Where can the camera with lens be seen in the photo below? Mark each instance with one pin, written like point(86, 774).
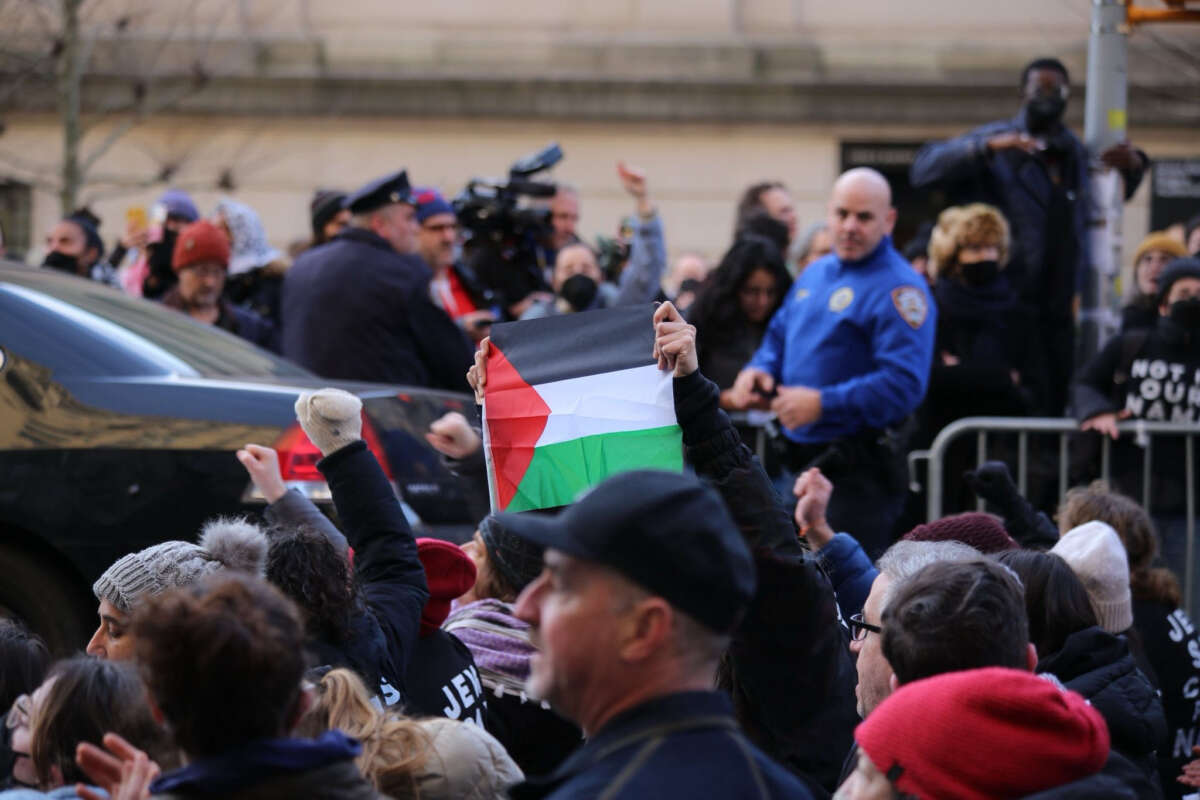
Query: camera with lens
point(504, 231)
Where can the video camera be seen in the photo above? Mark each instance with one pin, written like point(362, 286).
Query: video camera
point(504, 235)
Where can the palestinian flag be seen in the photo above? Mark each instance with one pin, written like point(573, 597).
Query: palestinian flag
point(571, 400)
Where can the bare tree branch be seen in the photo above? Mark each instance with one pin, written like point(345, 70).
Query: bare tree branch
point(147, 108)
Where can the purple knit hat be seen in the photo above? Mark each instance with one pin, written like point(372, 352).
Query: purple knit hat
point(979, 530)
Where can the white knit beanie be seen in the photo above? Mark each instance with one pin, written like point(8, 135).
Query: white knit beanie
point(224, 543)
point(1098, 558)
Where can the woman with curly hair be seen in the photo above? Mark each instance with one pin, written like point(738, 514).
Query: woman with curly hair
point(985, 361)
point(735, 304)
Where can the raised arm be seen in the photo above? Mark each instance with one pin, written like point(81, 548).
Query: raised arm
point(385, 552)
point(639, 282)
point(788, 669)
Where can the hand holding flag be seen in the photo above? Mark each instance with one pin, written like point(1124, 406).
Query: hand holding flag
point(571, 400)
point(674, 341)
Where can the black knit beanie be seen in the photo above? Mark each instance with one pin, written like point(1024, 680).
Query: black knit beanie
point(517, 561)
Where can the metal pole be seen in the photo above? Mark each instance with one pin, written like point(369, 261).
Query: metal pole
point(1104, 126)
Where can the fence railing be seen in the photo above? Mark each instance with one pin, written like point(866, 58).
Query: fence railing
point(1144, 434)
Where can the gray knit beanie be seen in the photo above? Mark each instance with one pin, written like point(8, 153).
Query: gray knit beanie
point(224, 544)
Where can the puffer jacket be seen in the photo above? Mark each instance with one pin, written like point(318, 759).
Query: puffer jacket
point(1099, 666)
point(465, 763)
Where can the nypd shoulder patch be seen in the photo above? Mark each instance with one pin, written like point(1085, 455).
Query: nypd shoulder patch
point(911, 304)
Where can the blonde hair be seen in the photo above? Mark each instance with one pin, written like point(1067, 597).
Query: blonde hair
point(395, 749)
point(977, 224)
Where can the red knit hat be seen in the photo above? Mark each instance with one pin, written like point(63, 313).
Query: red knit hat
point(200, 242)
point(975, 528)
point(983, 734)
point(449, 572)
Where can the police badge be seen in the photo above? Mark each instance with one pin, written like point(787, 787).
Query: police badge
point(911, 304)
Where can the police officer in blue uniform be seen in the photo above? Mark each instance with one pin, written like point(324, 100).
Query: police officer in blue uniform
point(846, 360)
point(358, 306)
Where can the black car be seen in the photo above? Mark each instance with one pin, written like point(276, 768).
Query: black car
point(119, 420)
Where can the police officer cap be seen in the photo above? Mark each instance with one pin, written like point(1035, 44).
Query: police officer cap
point(381, 192)
point(666, 532)
point(1188, 267)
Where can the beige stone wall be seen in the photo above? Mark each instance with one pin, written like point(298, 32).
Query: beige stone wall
point(695, 170)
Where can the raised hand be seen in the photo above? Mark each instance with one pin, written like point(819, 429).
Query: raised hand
point(453, 436)
point(263, 465)
point(477, 374)
point(674, 341)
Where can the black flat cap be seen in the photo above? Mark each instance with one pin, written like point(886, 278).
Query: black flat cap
point(380, 192)
point(666, 532)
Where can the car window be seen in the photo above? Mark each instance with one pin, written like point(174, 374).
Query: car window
point(147, 338)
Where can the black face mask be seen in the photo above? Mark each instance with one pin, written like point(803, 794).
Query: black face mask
point(1043, 112)
point(579, 291)
point(161, 253)
point(1186, 313)
point(690, 285)
point(62, 262)
point(980, 273)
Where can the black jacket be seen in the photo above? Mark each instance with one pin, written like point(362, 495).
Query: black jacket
point(355, 309)
point(1099, 666)
point(1172, 646)
point(390, 577)
point(681, 745)
point(241, 322)
point(1050, 252)
point(787, 669)
point(992, 336)
point(1154, 373)
point(442, 680)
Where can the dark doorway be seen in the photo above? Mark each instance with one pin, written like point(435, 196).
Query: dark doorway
point(914, 207)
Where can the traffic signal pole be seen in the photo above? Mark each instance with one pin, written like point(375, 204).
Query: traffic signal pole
point(1104, 126)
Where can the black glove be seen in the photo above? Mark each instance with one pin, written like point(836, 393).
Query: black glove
point(993, 482)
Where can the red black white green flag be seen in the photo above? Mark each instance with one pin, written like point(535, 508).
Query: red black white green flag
point(571, 400)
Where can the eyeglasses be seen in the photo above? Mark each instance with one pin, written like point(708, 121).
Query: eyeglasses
point(859, 628)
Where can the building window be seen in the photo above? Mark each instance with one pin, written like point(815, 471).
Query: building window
point(16, 217)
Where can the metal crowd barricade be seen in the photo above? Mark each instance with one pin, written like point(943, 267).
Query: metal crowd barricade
point(1023, 427)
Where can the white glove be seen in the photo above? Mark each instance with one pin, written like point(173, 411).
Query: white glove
point(331, 418)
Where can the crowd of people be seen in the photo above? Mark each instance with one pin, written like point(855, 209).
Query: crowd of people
point(667, 634)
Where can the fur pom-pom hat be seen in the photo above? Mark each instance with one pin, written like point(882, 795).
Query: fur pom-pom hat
point(225, 543)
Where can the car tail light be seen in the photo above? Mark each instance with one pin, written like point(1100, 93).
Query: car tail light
point(298, 458)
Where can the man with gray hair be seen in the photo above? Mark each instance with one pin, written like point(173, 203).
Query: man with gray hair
point(358, 306)
point(902, 560)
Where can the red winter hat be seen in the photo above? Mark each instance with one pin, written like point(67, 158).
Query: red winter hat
point(449, 572)
point(982, 734)
point(199, 242)
point(975, 528)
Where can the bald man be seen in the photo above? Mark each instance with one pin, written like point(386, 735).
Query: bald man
point(846, 360)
